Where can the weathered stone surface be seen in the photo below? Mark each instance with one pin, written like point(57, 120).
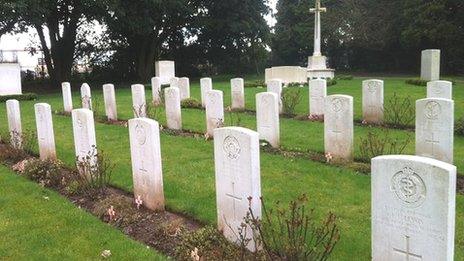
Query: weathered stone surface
point(338, 127)
point(174, 82)
point(238, 185)
point(85, 143)
point(206, 85)
point(238, 93)
point(156, 90)
point(147, 171)
point(10, 79)
point(165, 70)
point(287, 74)
point(67, 97)
point(173, 110)
point(372, 101)
point(413, 208)
point(267, 117)
point(440, 89)
point(139, 102)
point(14, 123)
point(86, 96)
point(275, 86)
point(435, 129)
point(45, 133)
point(214, 111)
point(109, 96)
point(317, 94)
point(184, 87)
point(430, 65)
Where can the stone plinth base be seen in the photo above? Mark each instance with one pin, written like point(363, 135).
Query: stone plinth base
point(321, 74)
point(288, 74)
point(317, 68)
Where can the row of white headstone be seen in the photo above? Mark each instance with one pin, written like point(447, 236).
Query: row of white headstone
point(413, 198)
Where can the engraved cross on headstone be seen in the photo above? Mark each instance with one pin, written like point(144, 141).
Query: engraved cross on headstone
point(234, 198)
point(409, 256)
point(433, 141)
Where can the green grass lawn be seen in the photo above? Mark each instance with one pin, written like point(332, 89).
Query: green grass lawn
point(189, 167)
point(38, 224)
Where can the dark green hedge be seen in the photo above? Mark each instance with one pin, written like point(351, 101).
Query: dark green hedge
point(19, 97)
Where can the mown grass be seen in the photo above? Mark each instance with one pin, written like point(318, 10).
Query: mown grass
point(38, 224)
point(189, 169)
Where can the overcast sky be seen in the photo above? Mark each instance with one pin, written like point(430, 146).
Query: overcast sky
point(21, 41)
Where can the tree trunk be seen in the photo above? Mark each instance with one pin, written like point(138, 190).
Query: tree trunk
point(145, 52)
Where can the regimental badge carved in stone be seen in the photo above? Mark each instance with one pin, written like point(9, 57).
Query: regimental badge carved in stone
point(140, 134)
point(409, 187)
point(337, 105)
point(231, 147)
point(437, 90)
point(372, 86)
point(432, 110)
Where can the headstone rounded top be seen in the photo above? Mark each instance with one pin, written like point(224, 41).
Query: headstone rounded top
point(85, 85)
point(42, 104)
point(238, 130)
point(108, 85)
point(137, 86)
point(423, 160)
point(65, 84)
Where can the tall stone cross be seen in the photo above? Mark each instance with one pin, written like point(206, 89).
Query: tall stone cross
point(317, 26)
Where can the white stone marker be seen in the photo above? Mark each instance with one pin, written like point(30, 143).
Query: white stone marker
point(430, 65)
point(139, 102)
point(267, 117)
point(165, 70)
point(10, 78)
point(413, 208)
point(67, 97)
point(86, 96)
point(14, 123)
point(206, 85)
point(109, 97)
point(238, 93)
point(85, 143)
point(237, 168)
point(156, 90)
point(440, 89)
point(435, 129)
point(174, 82)
point(214, 111)
point(372, 101)
point(184, 87)
point(147, 172)
point(338, 127)
point(317, 94)
point(45, 133)
point(173, 110)
point(275, 86)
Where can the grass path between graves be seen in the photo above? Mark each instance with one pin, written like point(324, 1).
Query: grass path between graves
point(189, 174)
point(38, 224)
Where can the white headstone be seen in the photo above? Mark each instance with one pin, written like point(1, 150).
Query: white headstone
point(14, 123)
point(413, 208)
point(139, 102)
point(430, 65)
point(237, 167)
point(173, 110)
point(214, 111)
point(440, 89)
point(165, 70)
point(86, 96)
point(317, 94)
point(372, 101)
point(238, 93)
point(156, 90)
point(338, 127)
point(85, 143)
point(45, 133)
point(206, 85)
point(174, 82)
point(275, 86)
point(10, 79)
point(67, 97)
point(184, 87)
point(267, 117)
point(147, 172)
point(435, 129)
point(109, 97)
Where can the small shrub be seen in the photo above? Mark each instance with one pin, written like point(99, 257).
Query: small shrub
point(95, 171)
point(46, 173)
point(345, 77)
point(399, 113)
point(29, 142)
point(19, 97)
point(255, 84)
point(153, 111)
point(140, 111)
point(98, 107)
point(26, 144)
point(417, 82)
point(297, 84)
point(234, 117)
point(191, 103)
point(459, 126)
point(291, 97)
point(376, 144)
point(331, 82)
